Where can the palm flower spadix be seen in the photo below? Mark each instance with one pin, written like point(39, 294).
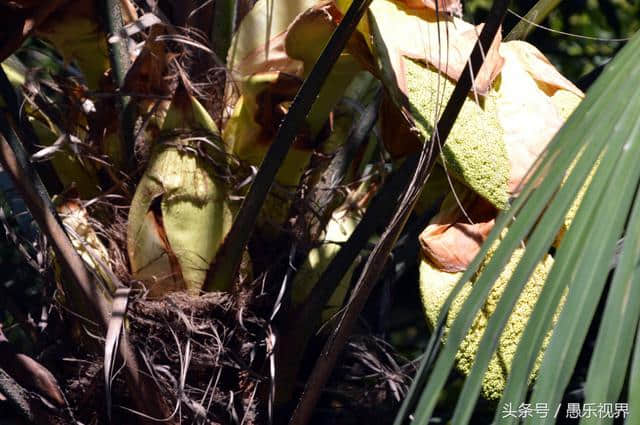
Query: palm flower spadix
point(435, 286)
point(497, 137)
point(179, 215)
point(448, 244)
point(503, 127)
point(474, 152)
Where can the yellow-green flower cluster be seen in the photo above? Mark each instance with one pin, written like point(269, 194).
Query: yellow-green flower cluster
point(475, 152)
point(435, 286)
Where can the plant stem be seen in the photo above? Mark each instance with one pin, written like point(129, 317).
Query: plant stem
point(120, 64)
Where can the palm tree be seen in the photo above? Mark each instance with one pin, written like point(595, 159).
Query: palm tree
point(215, 177)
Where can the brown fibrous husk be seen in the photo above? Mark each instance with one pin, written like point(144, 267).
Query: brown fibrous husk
point(213, 342)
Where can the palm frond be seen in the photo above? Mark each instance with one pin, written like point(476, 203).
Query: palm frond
point(582, 260)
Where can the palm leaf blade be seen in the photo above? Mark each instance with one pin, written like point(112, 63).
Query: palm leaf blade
point(540, 320)
point(603, 228)
point(609, 363)
point(537, 246)
point(634, 387)
point(604, 100)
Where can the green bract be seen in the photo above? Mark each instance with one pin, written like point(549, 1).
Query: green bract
point(305, 40)
point(179, 215)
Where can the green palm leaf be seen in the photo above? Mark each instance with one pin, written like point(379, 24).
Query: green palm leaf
point(634, 387)
point(575, 244)
point(613, 348)
point(583, 258)
point(601, 227)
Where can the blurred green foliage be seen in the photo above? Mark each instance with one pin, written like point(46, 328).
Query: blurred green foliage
point(574, 56)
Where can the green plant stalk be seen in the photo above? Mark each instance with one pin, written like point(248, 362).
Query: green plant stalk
point(120, 64)
point(223, 25)
point(535, 15)
point(118, 52)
